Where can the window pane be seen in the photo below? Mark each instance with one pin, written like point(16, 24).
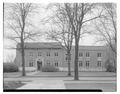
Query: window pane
point(56, 64)
point(98, 54)
point(48, 53)
point(87, 63)
point(30, 64)
point(56, 53)
point(80, 54)
point(87, 54)
point(99, 63)
point(80, 63)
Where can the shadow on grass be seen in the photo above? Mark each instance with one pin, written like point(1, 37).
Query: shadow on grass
point(12, 85)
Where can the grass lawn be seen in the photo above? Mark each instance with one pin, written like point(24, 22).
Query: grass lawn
point(12, 74)
point(105, 87)
point(12, 84)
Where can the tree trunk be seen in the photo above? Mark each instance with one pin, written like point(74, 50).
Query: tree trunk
point(23, 58)
point(115, 64)
point(76, 76)
point(69, 66)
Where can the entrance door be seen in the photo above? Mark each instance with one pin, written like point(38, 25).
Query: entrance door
point(39, 65)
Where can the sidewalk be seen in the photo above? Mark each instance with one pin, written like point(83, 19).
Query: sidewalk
point(43, 84)
point(38, 84)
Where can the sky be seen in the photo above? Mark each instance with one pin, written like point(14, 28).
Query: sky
point(89, 40)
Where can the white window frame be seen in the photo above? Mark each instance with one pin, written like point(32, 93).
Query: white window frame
point(48, 53)
point(56, 53)
point(80, 54)
point(56, 64)
point(31, 63)
point(87, 64)
point(99, 63)
point(87, 54)
point(80, 63)
point(99, 54)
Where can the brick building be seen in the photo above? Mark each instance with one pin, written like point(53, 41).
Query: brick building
point(91, 58)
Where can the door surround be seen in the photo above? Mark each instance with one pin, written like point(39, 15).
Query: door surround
point(40, 59)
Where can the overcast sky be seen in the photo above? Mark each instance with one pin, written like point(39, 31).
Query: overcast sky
point(36, 20)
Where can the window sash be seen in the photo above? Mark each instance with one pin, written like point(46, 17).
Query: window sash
point(99, 63)
point(56, 53)
point(56, 64)
point(80, 54)
point(98, 54)
point(80, 64)
point(30, 64)
point(87, 63)
point(48, 53)
point(87, 54)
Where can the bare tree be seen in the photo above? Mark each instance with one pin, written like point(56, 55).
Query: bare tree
point(10, 58)
point(106, 27)
point(20, 25)
point(61, 31)
point(76, 13)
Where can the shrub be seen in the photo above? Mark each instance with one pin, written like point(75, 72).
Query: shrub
point(110, 67)
point(49, 68)
point(10, 67)
point(28, 69)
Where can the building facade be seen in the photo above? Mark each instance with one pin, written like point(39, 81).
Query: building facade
point(37, 55)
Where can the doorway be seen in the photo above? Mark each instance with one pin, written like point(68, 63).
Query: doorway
point(39, 65)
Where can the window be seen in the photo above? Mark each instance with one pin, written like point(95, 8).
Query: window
point(39, 53)
point(48, 53)
point(31, 53)
point(80, 54)
point(87, 63)
point(98, 54)
point(31, 64)
point(80, 63)
point(99, 63)
point(56, 53)
point(67, 58)
point(48, 62)
point(56, 64)
point(87, 54)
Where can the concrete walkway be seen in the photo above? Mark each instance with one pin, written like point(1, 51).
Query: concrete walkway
point(43, 84)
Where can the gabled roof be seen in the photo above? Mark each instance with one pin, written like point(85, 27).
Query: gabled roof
point(92, 47)
point(41, 45)
point(45, 45)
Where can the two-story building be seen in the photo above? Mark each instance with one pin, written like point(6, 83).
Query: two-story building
point(91, 58)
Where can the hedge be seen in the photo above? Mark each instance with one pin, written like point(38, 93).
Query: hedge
point(109, 66)
point(49, 68)
point(10, 67)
